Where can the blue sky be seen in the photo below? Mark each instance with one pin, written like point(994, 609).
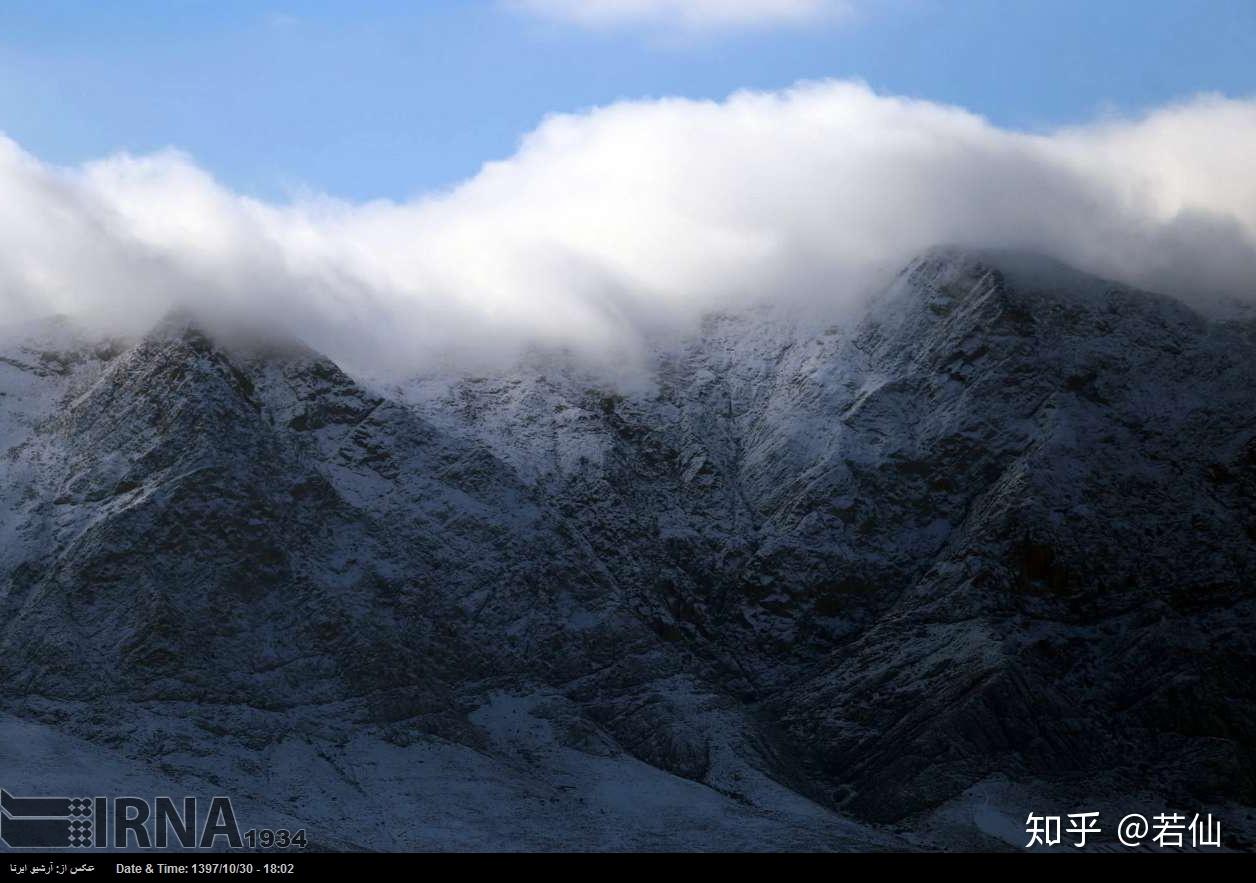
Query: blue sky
point(389, 99)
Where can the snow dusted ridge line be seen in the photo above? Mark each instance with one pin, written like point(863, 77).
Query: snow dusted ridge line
point(885, 585)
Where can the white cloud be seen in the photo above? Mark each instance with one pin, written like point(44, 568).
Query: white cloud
point(637, 215)
point(690, 15)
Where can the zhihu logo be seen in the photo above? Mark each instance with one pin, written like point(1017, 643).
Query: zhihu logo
point(82, 823)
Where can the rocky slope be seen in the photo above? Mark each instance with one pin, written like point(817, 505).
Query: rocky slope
point(996, 537)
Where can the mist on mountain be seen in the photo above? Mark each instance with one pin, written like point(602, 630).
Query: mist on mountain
point(611, 226)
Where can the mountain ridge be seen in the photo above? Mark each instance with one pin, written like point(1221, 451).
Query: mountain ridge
point(866, 568)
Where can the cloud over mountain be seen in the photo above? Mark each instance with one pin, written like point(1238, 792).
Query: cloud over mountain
point(637, 215)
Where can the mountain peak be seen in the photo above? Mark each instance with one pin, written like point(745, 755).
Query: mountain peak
point(985, 285)
point(234, 337)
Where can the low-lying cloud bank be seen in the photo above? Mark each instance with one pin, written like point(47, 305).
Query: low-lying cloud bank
point(638, 216)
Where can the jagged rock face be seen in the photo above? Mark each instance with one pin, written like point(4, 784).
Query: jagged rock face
point(255, 528)
point(1089, 608)
point(1005, 525)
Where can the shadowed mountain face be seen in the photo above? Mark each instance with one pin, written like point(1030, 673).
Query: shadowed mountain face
point(996, 538)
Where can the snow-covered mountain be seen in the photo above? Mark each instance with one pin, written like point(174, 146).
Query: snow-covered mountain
point(894, 583)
